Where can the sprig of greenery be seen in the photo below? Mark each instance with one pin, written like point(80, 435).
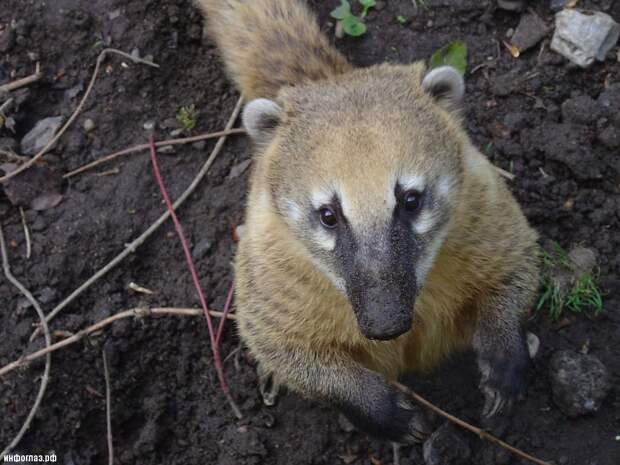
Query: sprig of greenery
point(583, 295)
point(453, 54)
point(352, 25)
point(187, 117)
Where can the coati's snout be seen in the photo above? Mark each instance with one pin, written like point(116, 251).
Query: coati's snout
point(382, 292)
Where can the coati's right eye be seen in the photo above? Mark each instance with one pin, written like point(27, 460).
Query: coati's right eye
point(328, 217)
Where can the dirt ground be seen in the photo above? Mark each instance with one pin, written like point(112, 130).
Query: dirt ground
point(167, 405)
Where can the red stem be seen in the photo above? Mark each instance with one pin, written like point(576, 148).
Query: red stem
point(225, 312)
point(190, 263)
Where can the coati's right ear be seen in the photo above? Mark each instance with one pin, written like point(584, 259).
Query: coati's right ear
point(446, 85)
point(260, 117)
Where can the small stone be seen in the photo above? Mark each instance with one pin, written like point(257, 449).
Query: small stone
point(114, 14)
point(135, 53)
point(201, 249)
point(533, 344)
point(200, 144)
point(47, 295)
point(579, 382)
point(583, 260)
point(609, 99)
point(610, 137)
point(176, 132)
point(557, 5)
point(7, 40)
point(239, 169)
point(149, 126)
point(582, 109)
point(584, 37)
point(529, 32)
point(89, 125)
point(345, 424)
point(511, 5)
point(40, 135)
point(509, 33)
point(447, 446)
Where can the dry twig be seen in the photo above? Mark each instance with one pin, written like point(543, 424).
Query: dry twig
point(474, 429)
point(129, 248)
point(134, 312)
point(108, 408)
point(48, 342)
point(26, 233)
point(215, 338)
point(22, 82)
point(163, 143)
point(77, 111)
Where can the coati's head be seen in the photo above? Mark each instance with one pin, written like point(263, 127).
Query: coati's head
point(365, 171)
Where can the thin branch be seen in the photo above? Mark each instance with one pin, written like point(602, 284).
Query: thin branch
point(131, 313)
point(217, 359)
point(77, 111)
point(163, 143)
point(21, 82)
point(504, 173)
point(48, 342)
point(146, 234)
point(108, 408)
point(474, 429)
point(227, 306)
point(26, 233)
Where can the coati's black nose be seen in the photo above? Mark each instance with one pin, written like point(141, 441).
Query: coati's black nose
point(383, 308)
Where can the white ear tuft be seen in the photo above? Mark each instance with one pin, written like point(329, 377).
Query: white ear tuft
point(446, 84)
point(260, 116)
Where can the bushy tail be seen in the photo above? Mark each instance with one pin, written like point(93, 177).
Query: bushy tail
point(268, 44)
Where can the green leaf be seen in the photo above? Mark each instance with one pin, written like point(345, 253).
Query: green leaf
point(402, 19)
point(353, 26)
point(367, 4)
point(453, 54)
point(343, 11)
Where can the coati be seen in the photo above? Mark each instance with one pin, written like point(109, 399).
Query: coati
point(377, 239)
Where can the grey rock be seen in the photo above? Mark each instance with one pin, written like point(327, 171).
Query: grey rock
point(529, 32)
point(7, 40)
point(610, 137)
point(447, 446)
point(239, 169)
point(609, 99)
point(579, 382)
point(557, 5)
point(584, 37)
point(511, 5)
point(201, 249)
point(200, 145)
point(89, 125)
point(582, 109)
point(46, 295)
point(149, 126)
point(40, 135)
point(114, 14)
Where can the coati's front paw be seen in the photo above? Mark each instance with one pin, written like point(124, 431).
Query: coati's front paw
point(503, 381)
point(389, 415)
point(268, 386)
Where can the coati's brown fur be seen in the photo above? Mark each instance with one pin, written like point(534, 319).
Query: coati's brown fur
point(475, 270)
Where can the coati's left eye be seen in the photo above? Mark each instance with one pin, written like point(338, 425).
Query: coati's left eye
point(328, 217)
point(412, 201)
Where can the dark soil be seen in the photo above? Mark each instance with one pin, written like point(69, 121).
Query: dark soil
point(167, 405)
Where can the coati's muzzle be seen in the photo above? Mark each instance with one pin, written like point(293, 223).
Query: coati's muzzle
point(382, 291)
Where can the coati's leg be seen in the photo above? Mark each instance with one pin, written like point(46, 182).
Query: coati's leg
point(268, 386)
point(364, 396)
point(500, 343)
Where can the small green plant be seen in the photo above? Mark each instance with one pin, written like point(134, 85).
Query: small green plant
point(565, 289)
point(453, 54)
point(402, 20)
point(352, 25)
point(187, 117)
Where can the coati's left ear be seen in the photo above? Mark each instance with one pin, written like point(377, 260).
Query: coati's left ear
point(260, 117)
point(446, 85)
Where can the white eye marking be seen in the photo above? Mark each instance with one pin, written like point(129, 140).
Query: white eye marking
point(445, 185)
point(321, 197)
point(413, 182)
point(264, 201)
point(294, 211)
point(424, 223)
point(426, 263)
point(325, 240)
